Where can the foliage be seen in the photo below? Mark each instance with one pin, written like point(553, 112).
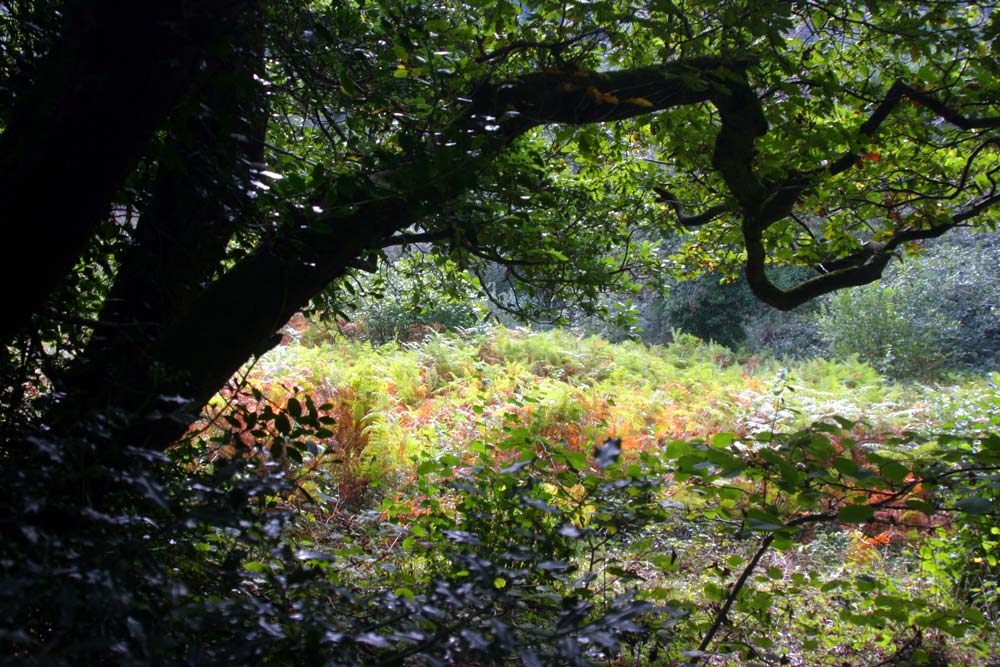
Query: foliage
point(711, 311)
point(563, 149)
point(271, 151)
point(885, 328)
point(124, 559)
point(407, 297)
point(934, 312)
point(957, 280)
point(511, 529)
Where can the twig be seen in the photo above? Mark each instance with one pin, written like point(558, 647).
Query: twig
point(720, 617)
point(555, 47)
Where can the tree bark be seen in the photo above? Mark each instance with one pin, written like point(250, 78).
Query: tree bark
point(200, 197)
point(73, 138)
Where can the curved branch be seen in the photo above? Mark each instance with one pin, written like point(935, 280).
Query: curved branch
point(689, 220)
point(861, 268)
point(581, 97)
point(896, 93)
point(743, 120)
point(763, 209)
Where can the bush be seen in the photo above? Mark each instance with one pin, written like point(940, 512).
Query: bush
point(711, 310)
point(232, 550)
point(415, 295)
point(889, 328)
point(934, 313)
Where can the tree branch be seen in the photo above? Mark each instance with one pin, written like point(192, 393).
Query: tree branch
point(860, 268)
point(556, 48)
point(690, 220)
point(720, 617)
point(583, 97)
point(254, 298)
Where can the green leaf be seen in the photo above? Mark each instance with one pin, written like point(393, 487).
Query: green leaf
point(846, 466)
point(894, 472)
point(856, 513)
point(720, 440)
point(922, 506)
point(762, 521)
point(678, 448)
point(865, 583)
point(576, 459)
point(975, 506)
point(851, 469)
point(845, 423)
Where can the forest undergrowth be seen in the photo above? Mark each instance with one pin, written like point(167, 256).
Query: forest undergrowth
point(716, 507)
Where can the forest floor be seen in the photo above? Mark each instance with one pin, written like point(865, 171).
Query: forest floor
point(405, 419)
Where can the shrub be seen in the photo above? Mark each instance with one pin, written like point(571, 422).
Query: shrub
point(889, 328)
point(934, 313)
point(711, 310)
point(415, 295)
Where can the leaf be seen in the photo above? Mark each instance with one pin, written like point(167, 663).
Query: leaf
point(638, 101)
point(569, 530)
point(515, 467)
point(851, 469)
point(373, 640)
point(576, 459)
point(893, 471)
point(846, 467)
point(845, 423)
point(856, 513)
point(282, 424)
point(922, 506)
point(606, 454)
point(427, 467)
point(762, 521)
point(975, 506)
point(721, 440)
point(529, 659)
point(678, 448)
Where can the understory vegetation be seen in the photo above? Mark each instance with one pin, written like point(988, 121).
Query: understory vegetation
point(509, 496)
point(614, 503)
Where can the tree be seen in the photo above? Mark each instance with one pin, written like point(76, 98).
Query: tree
point(142, 149)
point(185, 175)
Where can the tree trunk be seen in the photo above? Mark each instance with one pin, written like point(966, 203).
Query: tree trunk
point(73, 138)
